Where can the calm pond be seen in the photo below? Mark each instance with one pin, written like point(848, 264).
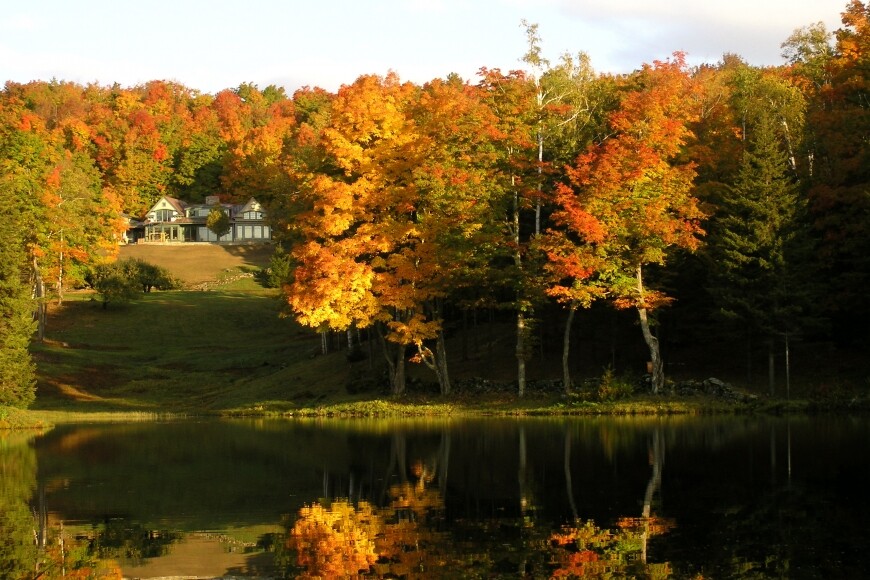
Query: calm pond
point(718, 497)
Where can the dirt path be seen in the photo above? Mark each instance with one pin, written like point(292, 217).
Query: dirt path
point(196, 263)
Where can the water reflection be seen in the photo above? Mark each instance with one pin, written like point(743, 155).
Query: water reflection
point(31, 544)
point(407, 536)
point(638, 497)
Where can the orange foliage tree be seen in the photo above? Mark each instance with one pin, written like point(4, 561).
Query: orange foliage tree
point(396, 212)
point(632, 195)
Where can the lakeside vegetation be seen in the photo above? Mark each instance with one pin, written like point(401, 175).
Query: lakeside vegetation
point(227, 351)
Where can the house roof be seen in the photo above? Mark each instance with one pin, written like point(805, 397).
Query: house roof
point(182, 208)
point(176, 204)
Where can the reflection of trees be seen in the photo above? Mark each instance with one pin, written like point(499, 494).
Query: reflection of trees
point(341, 538)
point(407, 536)
point(336, 540)
point(30, 547)
point(134, 543)
point(586, 550)
point(18, 551)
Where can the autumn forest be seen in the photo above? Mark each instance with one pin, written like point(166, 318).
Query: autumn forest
point(723, 202)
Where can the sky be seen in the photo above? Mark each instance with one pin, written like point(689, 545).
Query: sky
point(211, 45)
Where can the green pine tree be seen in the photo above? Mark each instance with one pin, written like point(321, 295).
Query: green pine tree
point(756, 242)
point(17, 371)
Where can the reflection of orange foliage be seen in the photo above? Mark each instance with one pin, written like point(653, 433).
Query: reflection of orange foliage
point(585, 538)
point(106, 570)
point(407, 546)
point(57, 559)
point(587, 551)
point(341, 540)
point(336, 541)
point(653, 525)
point(580, 564)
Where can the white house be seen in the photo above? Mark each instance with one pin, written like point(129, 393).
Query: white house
point(173, 220)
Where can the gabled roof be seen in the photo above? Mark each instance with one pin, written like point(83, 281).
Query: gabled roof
point(182, 208)
point(176, 204)
point(251, 205)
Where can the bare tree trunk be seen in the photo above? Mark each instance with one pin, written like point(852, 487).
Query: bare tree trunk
point(399, 375)
point(658, 375)
point(787, 370)
point(441, 361)
point(465, 334)
point(771, 368)
point(39, 295)
point(748, 356)
point(566, 343)
point(540, 185)
point(521, 320)
point(60, 272)
point(521, 354)
point(395, 363)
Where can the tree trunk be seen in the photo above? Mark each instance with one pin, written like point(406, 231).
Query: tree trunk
point(441, 361)
point(566, 373)
point(395, 363)
point(771, 368)
point(60, 272)
point(39, 295)
point(787, 370)
point(398, 379)
point(540, 185)
point(658, 375)
point(465, 334)
point(748, 356)
point(521, 354)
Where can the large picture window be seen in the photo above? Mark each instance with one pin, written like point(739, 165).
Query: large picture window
point(163, 215)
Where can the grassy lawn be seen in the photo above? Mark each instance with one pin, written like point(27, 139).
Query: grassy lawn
point(180, 352)
point(228, 352)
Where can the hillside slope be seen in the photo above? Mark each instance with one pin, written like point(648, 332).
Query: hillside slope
point(199, 263)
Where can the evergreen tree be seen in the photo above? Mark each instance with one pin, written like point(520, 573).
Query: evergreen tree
point(755, 240)
point(17, 378)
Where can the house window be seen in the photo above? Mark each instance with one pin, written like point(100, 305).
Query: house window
point(163, 215)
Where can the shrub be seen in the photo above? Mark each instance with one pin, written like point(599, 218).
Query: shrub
point(280, 269)
point(121, 281)
point(612, 388)
point(113, 283)
point(149, 275)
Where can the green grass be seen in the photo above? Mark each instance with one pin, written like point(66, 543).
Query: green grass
point(229, 352)
point(12, 419)
point(181, 352)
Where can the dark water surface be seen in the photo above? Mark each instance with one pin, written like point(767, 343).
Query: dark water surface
point(635, 497)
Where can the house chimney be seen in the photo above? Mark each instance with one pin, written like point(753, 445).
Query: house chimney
point(212, 200)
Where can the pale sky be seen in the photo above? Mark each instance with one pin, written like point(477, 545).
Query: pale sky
point(211, 45)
